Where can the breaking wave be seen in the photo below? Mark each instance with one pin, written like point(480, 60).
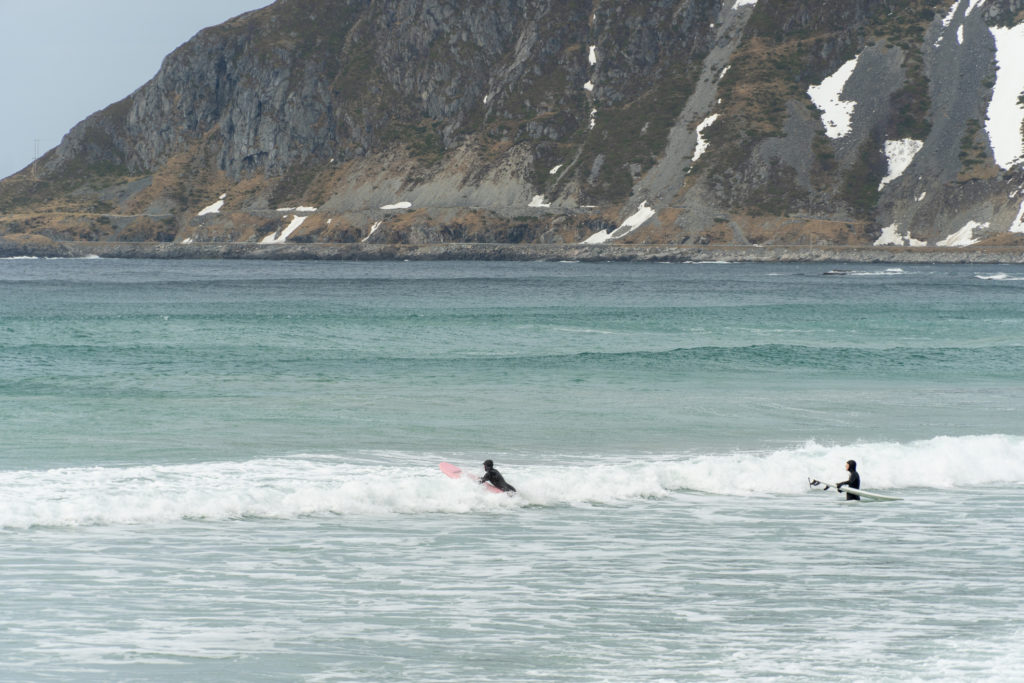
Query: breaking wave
point(314, 485)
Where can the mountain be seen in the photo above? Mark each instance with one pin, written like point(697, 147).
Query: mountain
point(677, 122)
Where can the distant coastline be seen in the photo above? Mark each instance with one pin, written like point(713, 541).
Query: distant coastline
point(510, 252)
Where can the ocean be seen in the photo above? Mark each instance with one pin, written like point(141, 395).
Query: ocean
point(228, 470)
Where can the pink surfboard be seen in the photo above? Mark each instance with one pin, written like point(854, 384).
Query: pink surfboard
point(451, 470)
point(456, 473)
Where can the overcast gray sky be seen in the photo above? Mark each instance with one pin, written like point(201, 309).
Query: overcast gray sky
point(61, 60)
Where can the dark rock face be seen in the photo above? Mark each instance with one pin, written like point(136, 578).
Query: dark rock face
point(536, 121)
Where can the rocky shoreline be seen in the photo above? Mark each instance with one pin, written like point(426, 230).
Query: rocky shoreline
point(44, 248)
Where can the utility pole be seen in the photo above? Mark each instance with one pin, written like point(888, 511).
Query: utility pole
point(35, 158)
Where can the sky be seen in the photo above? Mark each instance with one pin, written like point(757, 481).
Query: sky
point(62, 60)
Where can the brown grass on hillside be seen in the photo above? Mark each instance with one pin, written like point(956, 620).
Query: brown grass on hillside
point(806, 231)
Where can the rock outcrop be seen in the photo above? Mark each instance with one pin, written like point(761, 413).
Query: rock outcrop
point(798, 123)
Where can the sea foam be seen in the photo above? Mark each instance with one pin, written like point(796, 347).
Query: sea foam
point(299, 486)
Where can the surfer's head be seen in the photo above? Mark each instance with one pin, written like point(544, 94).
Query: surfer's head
point(488, 464)
point(851, 465)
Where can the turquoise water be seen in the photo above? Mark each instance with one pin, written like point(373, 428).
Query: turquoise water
point(228, 470)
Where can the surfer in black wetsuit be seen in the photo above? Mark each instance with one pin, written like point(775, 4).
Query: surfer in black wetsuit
point(494, 478)
point(853, 482)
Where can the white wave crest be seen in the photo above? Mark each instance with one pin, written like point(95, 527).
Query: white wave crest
point(1000, 276)
point(287, 488)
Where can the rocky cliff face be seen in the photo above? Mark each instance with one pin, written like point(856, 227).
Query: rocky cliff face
point(751, 122)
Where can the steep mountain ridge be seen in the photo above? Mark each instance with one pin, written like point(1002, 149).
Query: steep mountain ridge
point(745, 122)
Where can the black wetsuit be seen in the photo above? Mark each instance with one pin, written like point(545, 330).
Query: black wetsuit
point(494, 478)
point(854, 483)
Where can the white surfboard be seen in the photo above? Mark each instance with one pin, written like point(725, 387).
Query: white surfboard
point(847, 489)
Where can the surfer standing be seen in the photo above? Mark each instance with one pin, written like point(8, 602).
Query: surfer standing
point(494, 478)
point(853, 482)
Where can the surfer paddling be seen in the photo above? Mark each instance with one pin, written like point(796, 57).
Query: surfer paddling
point(853, 482)
point(494, 478)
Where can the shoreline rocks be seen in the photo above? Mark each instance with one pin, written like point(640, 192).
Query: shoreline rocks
point(12, 247)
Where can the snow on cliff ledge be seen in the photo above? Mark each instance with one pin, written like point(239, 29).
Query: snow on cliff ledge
point(1005, 111)
point(280, 236)
point(702, 144)
point(835, 113)
point(899, 154)
point(643, 213)
point(964, 237)
point(213, 208)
